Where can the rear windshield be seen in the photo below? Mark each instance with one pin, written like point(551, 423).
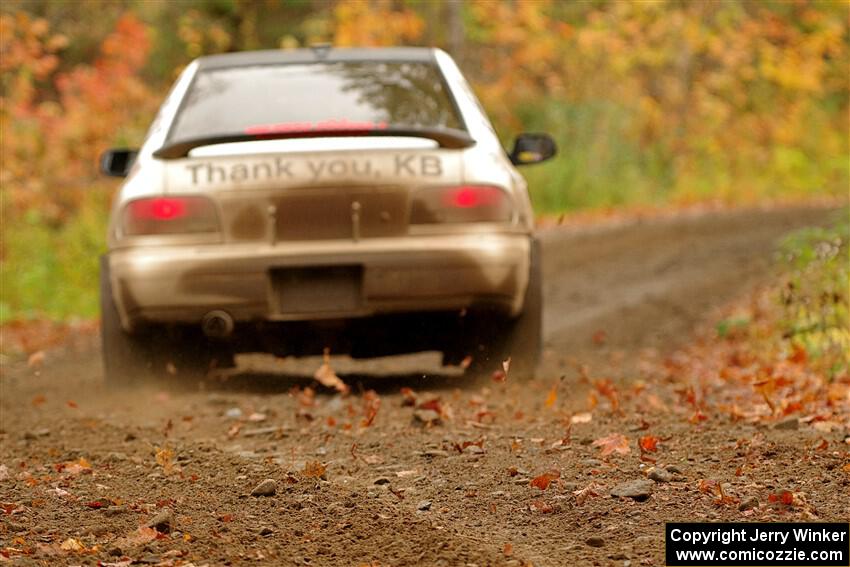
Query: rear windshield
point(254, 99)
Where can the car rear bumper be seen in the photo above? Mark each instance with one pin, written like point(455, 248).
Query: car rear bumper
point(320, 280)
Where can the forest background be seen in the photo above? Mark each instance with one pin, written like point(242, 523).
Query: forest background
point(651, 103)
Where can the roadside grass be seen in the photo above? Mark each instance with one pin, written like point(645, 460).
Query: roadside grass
point(52, 271)
point(804, 316)
point(782, 354)
point(815, 291)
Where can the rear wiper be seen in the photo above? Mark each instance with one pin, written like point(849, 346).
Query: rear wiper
point(445, 137)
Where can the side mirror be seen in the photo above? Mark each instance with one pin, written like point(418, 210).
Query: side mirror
point(532, 148)
point(117, 161)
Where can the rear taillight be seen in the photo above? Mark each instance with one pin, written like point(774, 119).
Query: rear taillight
point(169, 215)
point(467, 203)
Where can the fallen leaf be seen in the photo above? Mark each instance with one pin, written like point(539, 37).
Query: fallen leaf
point(648, 444)
point(371, 403)
point(541, 507)
point(142, 535)
point(614, 443)
point(582, 494)
point(314, 469)
point(460, 447)
point(9, 508)
point(542, 482)
point(165, 459)
point(408, 397)
point(71, 544)
point(77, 467)
point(99, 503)
point(606, 388)
point(552, 397)
point(326, 376)
point(785, 497)
point(433, 405)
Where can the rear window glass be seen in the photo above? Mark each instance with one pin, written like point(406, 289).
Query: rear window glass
point(248, 99)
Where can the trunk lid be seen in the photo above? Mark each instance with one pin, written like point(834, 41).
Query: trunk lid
point(331, 191)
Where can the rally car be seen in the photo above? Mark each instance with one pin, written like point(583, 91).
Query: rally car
point(356, 201)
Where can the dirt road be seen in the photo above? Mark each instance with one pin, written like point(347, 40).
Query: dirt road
point(440, 475)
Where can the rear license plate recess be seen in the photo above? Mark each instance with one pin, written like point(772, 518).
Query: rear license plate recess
point(320, 289)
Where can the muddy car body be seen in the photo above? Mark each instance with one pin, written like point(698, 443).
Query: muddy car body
point(295, 201)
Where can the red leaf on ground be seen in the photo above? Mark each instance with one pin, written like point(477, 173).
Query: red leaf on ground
point(541, 506)
point(785, 497)
point(648, 444)
point(408, 397)
point(542, 482)
point(371, 403)
point(433, 404)
point(314, 469)
point(552, 397)
point(614, 443)
point(606, 388)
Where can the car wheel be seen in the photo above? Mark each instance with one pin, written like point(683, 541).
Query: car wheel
point(519, 338)
point(126, 357)
point(130, 359)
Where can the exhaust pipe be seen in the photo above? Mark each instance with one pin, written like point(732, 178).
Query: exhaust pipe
point(217, 324)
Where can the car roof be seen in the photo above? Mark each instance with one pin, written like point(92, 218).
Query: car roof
point(317, 54)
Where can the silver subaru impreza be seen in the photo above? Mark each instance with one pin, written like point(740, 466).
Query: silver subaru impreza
point(289, 202)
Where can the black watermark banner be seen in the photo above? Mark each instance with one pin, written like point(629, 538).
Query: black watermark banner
point(811, 544)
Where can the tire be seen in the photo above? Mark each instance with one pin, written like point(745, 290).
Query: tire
point(126, 357)
point(519, 338)
point(152, 354)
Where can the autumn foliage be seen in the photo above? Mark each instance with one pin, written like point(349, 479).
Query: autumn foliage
point(650, 102)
